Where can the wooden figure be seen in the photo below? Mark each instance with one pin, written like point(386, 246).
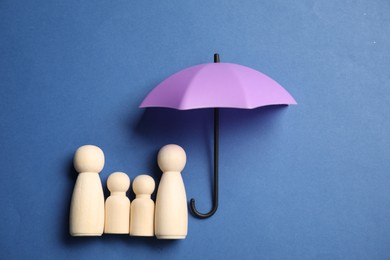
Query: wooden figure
point(171, 217)
point(117, 206)
point(87, 205)
point(142, 207)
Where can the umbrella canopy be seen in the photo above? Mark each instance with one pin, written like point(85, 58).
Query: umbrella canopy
point(217, 85)
point(226, 85)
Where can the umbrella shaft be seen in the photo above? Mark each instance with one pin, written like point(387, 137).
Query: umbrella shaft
point(216, 155)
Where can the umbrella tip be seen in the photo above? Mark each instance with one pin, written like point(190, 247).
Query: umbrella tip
point(216, 58)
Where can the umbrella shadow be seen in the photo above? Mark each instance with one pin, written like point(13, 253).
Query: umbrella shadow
point(262, 120)
point(162, 125)
point(166, 124)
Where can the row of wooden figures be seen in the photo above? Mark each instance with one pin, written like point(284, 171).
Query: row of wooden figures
point(91, 216)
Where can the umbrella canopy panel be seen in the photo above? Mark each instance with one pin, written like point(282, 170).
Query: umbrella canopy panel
point(226, 85)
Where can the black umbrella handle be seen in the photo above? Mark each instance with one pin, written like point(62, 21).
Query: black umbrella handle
point(215, 194)
point(216, 145)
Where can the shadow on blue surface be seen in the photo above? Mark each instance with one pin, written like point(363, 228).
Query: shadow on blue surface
point(162, 123)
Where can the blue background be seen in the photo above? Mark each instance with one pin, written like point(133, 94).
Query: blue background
point(310, 181)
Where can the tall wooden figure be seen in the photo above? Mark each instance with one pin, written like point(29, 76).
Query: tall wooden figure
point(142, 207)
point(171, 218)
point(117, 204)
point(87, 205)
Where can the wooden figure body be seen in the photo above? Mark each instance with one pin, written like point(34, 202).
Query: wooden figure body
point(87, 205)
point(117, 206)
point(142, 207)
point(171, 217)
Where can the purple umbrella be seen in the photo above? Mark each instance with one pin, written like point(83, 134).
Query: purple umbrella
point(217, 85)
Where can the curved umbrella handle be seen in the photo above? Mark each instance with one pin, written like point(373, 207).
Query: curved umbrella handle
point(215, 193)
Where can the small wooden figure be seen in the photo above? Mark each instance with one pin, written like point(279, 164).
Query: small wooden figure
point(171, 218)
point(87, 205)
point(142, 207)
point(117, 204)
